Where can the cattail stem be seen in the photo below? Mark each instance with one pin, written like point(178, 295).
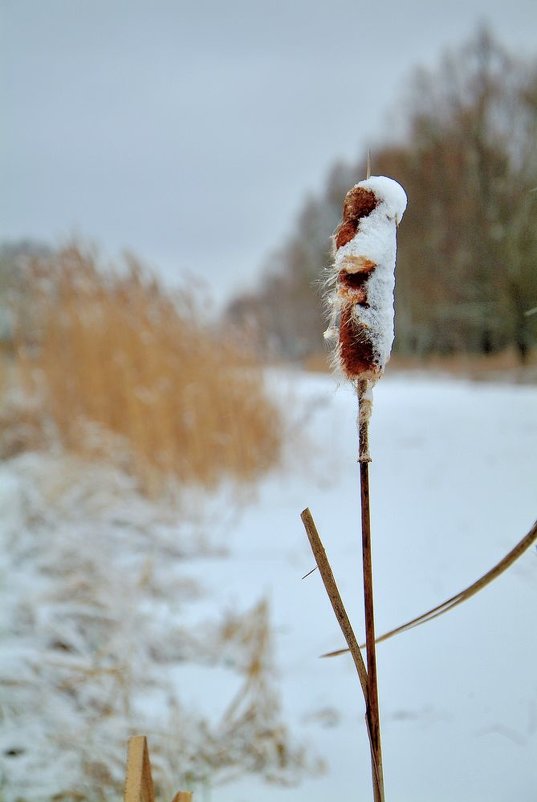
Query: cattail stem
point(364, 407)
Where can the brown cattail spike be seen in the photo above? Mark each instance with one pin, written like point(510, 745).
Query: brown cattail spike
point(355, 347)
point(361, 303)
point(359, 202)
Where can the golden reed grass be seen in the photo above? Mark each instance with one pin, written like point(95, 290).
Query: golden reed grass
point(113, 354)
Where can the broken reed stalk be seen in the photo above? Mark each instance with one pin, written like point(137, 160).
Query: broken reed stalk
point(364, 415)
point(342, 617)
point(333, 594)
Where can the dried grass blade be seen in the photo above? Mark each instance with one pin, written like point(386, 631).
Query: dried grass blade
point(332, 591)
point(500, 567)
point(335, 599)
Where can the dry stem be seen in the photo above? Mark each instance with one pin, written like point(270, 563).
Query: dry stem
point(365, 408)
point(335, 599)
point(343, 619)
point(364, 415)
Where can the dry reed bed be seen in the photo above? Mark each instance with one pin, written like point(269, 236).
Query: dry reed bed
point(121, 368)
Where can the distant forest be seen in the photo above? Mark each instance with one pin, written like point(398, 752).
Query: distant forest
point(467, 247)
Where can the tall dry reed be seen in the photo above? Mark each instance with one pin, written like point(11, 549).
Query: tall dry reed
point(120, 366)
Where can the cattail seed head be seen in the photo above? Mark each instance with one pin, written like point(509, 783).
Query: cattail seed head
point(363, 277)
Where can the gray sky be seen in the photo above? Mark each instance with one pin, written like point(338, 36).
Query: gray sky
point(190, 132)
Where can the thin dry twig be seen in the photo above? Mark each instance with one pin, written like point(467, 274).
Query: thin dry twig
point(309, 573)
point(500, 567)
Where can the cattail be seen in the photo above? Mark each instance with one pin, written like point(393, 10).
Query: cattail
point(361, 303)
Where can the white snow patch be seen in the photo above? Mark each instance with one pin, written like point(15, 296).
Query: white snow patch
point(391, 194)
point(453, 488)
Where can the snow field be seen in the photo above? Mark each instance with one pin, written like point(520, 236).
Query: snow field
point(454, 487)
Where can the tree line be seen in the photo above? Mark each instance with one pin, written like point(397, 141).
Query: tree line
point(467, 248)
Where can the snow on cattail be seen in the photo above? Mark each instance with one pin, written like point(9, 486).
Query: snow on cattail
point(362, 276)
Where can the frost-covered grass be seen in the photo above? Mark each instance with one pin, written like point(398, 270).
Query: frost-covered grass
point(99, 642)
point(95, 577)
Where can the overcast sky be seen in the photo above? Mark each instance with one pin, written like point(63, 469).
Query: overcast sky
point(189, 131)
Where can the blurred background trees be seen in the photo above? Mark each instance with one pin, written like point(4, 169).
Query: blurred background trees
point(467, 263)
point(467, 252)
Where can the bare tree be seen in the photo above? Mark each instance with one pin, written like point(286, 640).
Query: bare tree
point(467, 264)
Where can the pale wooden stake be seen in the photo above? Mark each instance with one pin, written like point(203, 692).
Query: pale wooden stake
point(139, 782)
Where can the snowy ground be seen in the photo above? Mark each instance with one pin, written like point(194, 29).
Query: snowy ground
point(454, 487)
